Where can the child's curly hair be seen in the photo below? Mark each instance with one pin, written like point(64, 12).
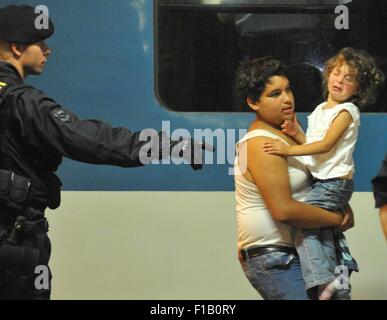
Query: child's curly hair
point(369, 77)
point(252, 76)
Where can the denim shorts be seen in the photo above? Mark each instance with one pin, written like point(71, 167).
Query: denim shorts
point(330, 194)
point(276, 276)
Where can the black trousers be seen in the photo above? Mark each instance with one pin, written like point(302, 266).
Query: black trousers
point(24, 270)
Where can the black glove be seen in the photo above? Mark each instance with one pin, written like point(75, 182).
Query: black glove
point(163, 147)
point(191, 151)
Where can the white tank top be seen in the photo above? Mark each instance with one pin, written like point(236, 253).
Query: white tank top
point(255, 225)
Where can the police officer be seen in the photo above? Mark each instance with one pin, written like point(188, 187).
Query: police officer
point(35, 133)
point(379, 184)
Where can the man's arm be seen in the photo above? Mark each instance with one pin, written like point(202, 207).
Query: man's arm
point(52, 128)
point(58, 130)
point(270, 174)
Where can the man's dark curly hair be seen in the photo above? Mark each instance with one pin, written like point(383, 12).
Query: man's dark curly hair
point(369, 77)
point(252, 76)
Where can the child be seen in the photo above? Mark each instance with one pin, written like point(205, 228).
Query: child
point(351, 79)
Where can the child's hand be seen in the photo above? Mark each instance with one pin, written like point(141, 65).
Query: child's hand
point(276, 147)
point(290, 127)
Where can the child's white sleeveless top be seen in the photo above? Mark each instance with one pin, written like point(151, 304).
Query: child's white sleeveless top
point(339, 161)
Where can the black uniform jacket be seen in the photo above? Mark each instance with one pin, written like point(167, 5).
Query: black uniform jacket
point(36, 132)
point(379, 184)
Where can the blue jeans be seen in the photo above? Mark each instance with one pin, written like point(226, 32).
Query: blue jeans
point(276, 276)
point(316, 247)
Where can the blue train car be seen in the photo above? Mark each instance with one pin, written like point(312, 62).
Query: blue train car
point(165, 231)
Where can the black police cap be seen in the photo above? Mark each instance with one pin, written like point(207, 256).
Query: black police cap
point(17, 24)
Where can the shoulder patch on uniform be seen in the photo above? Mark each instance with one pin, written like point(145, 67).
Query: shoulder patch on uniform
point(61, 115)
point(2, 85)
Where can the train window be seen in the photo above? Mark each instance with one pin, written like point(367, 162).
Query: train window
point(199, 44)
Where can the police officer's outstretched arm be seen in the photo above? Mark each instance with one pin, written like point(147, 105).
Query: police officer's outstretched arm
point(51, 128)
